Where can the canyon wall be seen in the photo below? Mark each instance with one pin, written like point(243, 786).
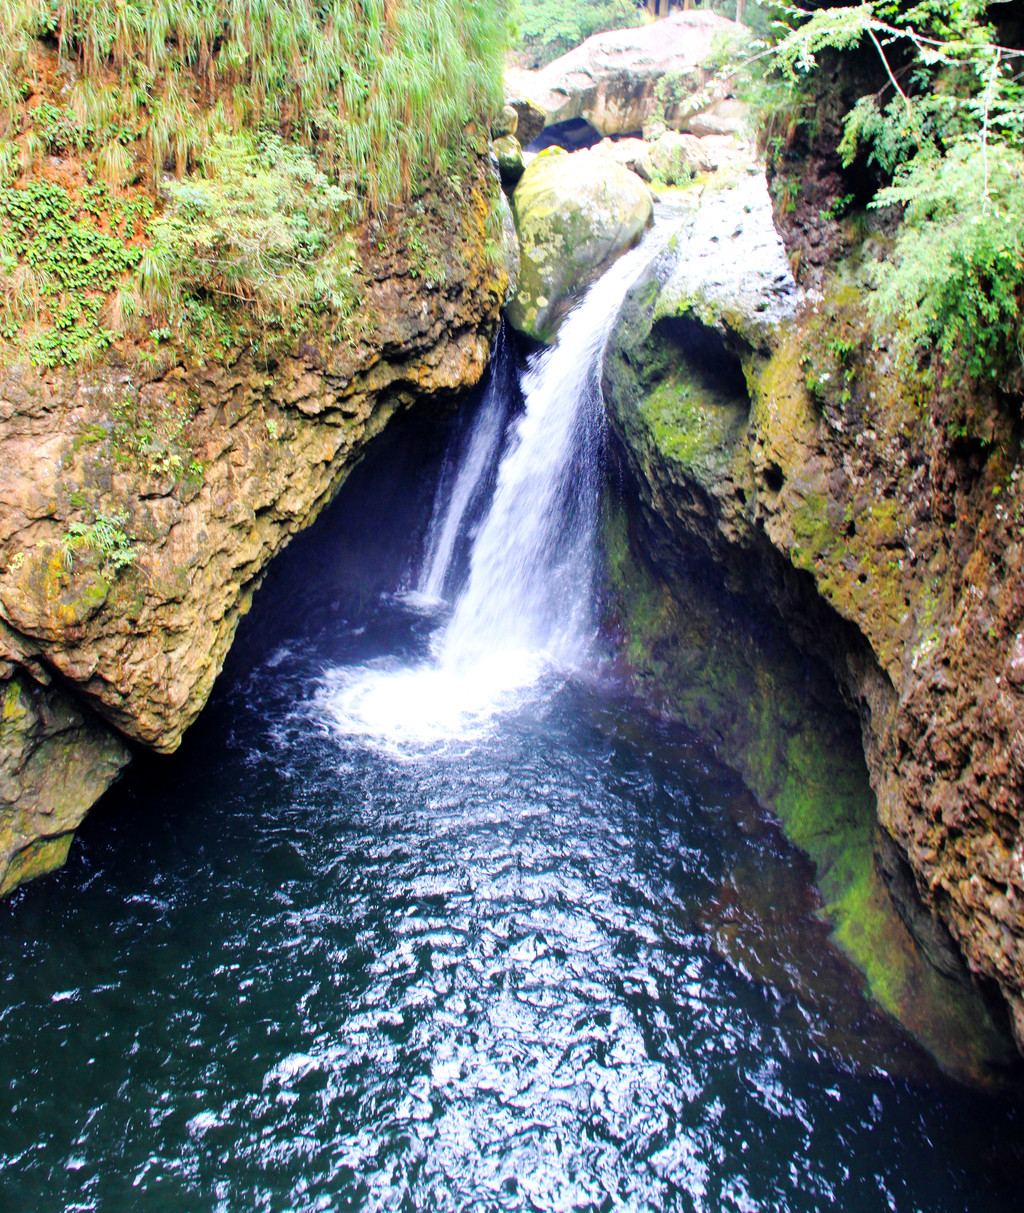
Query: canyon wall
point(141, 499)
point(809, 517)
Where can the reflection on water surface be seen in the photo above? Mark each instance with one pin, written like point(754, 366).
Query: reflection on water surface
point(563, 965)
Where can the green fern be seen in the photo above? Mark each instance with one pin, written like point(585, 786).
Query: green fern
point(105, 537)
point(957, 275)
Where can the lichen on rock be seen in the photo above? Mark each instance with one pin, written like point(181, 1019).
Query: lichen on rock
point(575, 214)
point(739, 585)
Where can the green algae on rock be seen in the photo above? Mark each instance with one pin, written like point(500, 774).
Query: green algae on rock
point(574, 214)
point(702, 655)
point(723, 629)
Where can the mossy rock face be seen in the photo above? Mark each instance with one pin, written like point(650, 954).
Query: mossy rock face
point(55, 760)
point(508, 156)
point(575, 214)
point(739, 580)
point(144, 496)
point(509, 248)
point(721, 664)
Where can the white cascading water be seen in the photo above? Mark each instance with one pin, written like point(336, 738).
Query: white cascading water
point(530, 587)
point(527, 605)
point(463, 483)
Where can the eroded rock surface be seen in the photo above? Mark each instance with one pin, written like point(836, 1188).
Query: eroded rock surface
point(141, 502)
point(798, 498)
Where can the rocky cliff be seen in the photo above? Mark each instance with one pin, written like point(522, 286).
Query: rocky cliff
point(812, 518)
point(141, 500)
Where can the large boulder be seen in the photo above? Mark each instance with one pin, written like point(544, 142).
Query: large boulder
point(611, 79)
point(630, 153)
point(575, 214)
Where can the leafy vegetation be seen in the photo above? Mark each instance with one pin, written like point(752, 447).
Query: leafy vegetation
point(210, 155)
point(957, 276)
point(549, 28)
point(261, 229)
point(105, 537)
point(947, 131)
point(55, 257)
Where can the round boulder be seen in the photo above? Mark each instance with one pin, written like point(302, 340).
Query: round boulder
point(506, 123)
point(574, 214)
point(508, 156)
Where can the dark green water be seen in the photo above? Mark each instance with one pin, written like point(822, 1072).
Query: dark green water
point(566, 964)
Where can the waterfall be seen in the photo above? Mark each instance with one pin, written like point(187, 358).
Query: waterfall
point(468, 471)
point(528, 602)
point(532, 566)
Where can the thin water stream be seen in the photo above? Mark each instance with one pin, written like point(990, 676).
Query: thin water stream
point(426, 914)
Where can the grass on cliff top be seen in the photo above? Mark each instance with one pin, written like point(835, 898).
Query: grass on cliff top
point(160, 160)
point(380, 89)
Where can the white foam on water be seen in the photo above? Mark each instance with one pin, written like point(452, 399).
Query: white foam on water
point(527, 606)
point(417, 710)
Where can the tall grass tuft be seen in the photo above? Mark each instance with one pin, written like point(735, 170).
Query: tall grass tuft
point(380, 90)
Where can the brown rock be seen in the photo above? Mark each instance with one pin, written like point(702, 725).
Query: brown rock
point(1015, 666)
point(611, 79)
point(203, 472)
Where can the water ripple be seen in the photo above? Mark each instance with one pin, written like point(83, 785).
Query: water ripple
point(307, 974)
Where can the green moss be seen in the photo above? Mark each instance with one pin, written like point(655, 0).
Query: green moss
point(14, 711)
point(39, 857)
point(89, 434)
point(689, 422)
point(812, 532)
point(693, 657)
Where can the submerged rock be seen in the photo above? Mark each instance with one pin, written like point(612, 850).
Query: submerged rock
point(575, 214)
